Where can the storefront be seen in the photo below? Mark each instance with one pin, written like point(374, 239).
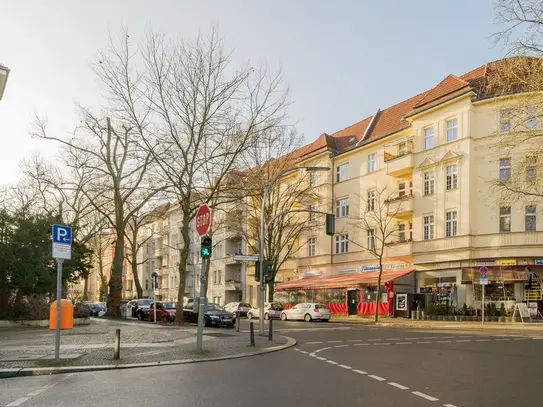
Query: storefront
point(348, 293)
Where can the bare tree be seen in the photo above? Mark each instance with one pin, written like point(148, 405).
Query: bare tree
point(377, 221)
point(194, 113)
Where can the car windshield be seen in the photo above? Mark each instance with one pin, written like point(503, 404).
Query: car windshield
point(144, 302)
point(169, 305)
point(320, 306)
point(214, 307)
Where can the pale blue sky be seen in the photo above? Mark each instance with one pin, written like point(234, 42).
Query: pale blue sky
point(342, 59)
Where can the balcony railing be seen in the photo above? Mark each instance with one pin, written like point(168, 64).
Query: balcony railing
point(454, 242)
point(401, 206)
point(399, 165)
point(232, 285)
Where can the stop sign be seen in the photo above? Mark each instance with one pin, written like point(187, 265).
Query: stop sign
point(203, 220)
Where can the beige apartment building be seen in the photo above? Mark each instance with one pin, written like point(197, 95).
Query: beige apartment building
point(437, 152)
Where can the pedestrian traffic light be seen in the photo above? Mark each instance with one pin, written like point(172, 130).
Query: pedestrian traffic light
point(268, 271)
point(330, 224)
point(155, 280)
point(205, 247)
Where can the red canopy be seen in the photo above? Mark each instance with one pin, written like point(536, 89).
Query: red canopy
point(342, 280)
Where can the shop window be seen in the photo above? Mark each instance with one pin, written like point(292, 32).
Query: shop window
point(530, 218)
point(495, 291)
point(429, 184)
point(505, 219)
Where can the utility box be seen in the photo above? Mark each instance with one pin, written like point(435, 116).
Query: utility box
point(66, 315)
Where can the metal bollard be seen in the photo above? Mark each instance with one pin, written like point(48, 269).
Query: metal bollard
point(117, 346)
point(270, 330)
point(238, 313)
point(252, 333)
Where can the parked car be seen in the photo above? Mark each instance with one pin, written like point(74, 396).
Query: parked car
point(235, 307)
point(140, 309)
point(271, 310)
point(215, 315)
point(97, 309)
point(307, 312)
point(165, 311)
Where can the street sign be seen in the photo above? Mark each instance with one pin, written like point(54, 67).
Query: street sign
point(483, 281)
point(62, 242)
point(203, 220)
point(245, 258)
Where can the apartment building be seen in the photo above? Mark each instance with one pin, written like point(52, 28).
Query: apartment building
point(437, 152)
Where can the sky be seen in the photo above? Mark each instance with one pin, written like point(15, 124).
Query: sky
point(342, 60)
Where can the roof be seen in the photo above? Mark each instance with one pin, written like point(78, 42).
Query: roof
point(342, 280)
point(392, 119)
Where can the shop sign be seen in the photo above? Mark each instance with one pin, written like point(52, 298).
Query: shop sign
point(312, 273)
point(506, 262)
point(401, 302)
point(347, 271)
point(372, 267)
point(539, 262)
point(485, 263)
point(386, 267)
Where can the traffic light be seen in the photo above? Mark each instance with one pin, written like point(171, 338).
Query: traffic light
point(268, 271)
point(205, 247)
point(155, 279)
point(330, 224)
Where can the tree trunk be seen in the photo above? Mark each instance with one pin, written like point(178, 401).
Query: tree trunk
point(182, 268)
point(271, 291)
point(378, 298)
point(86, 289)
point(134, 265)
point(116, 277)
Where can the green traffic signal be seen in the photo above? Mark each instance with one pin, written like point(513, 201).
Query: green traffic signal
point(205, 247)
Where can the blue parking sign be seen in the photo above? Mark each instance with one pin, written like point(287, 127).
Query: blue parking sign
point(62, 234)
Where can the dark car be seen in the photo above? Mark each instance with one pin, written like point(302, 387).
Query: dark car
point(97, 309)
point(141, 308)
point(165, 311)
point(215, 315)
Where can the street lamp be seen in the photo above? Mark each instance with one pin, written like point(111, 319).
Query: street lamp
point(4, 73)
point(263, 236)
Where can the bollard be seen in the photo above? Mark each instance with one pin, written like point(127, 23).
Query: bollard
point(238, 313)
point(252, 333)
point(270, 330)
point(117, 346)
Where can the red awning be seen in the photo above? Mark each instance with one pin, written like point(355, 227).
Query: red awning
point(342, 280)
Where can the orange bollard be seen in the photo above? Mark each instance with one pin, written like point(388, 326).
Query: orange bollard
point(66, 315)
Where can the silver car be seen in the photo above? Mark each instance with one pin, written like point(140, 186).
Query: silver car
point(238, 307)
point(307, 311)
point(271, 310)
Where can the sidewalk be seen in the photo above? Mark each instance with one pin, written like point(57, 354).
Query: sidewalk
point(91, 346)
point(426, 324)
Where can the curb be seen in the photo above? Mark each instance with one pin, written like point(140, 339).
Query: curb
point(445, 325)
point(37, 371)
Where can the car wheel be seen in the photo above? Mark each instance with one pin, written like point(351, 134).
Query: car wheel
point(266, 316)
point(151, 319)
point(249, 315)
point(283, 317)
point(307, 318)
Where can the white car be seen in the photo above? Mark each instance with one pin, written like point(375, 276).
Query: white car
point(307, 311)
point(271, 310)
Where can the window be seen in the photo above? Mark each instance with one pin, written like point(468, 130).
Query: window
point(452, 130)
point(530, 173)
point(450, 224)
point(217, 277)
point(402, 149)
point(371, 201)
point(532, 121)
point(401, 232)
point(429, 227)
point(311, 214)
point(146, 284)
point(530, 218)
point(371, 239)
point(312, 246)
point(341, 172)
point(342, 207)
point(401, 189)
point(505, 121)
point(342, 243)
point(429, 183)
point(410, 232)
point(312, 178)
point(452, 177)
point(505, 169)
point(429, 141)
point(372, 162)
point(505, 219)
point(410, 188)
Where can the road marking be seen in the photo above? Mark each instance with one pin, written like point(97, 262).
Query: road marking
point(429, 337)
point(411, 339)
point(359, 371)
point(381, 379)
point(296, 349)
point(320, 350)
point(378, 339)
point(449, 405)
point(312, 355)
point(332, 362)
point(383, 343)
point(465, 336)
point(18, 402)
point(424, 342)
point(447, 337)
point(354, 340)
point(443, 341)
point(321, 358)
point(334, 341)
point(424, 396)
point(463, 340)
point(35, 392)
point(502, 339)
point(403, 343)
point(537, 337)
point(341, 346)
point(304, 352)
point(519, 339)
point(393, 339)
point(482, 340)
point(345, 366)
point(362, 344)
point(312, 343)
point(399, 386)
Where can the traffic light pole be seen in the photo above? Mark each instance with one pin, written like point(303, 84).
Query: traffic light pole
point(201, 305)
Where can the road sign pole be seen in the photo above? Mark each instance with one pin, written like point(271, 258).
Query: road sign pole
point(201, 306)
point(59, 299)
point(483, 305)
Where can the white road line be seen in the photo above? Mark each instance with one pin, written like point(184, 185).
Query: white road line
point(424, 396)
point(424, 342)
point(381, 379)
point(411, 339)
point(323, 349)
point(399, 386)
point(383, 343)
point(449, 405)
point(341, 346)
point(312, 355)
point(18, 402)
point(465, 336)
point(359, 371)
point(345, 366)
point(403, 343)
point(334, 341)
point(519, 339)
point(537, 337)
point(321, 358)
point(296, 349)
point(312, 343)
point(378, 339)
point(393, 339)
point(447, 337)
point(482, 340)
point(362, 344)
point(463, 340)
point(443, 341)
point(35, 392)
point(304, 352)
point(354, 340)
point(430, 337)
point(502, 339)
point(332, 362)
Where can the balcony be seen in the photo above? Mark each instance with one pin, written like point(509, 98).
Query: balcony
point(399, 165)
point(232, 285)
point(509, 239)
point(401, 207)
point(396, 249)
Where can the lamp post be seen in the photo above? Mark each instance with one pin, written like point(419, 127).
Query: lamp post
point(4, 73)
point(263, 237)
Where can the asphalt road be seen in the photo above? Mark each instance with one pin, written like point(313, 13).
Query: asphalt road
point(332, 365)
